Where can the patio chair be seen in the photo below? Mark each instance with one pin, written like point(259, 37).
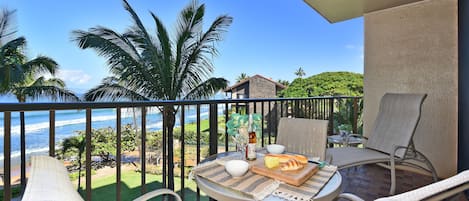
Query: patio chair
point(49, 181)
point(391, 138)
point(437, 191)
point(303, 136)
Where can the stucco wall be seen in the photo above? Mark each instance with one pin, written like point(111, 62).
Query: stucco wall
point(413, 48)
point(261, 88)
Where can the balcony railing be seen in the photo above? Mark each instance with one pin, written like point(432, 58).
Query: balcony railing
point(339, 110)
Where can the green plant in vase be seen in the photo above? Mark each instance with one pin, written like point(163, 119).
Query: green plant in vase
point(239, 125)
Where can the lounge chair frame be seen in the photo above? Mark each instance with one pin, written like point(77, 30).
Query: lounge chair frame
point(380, 152)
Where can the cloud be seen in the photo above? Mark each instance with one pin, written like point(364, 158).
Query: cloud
point(74, 76)
point(354, 47)
point(349, 46)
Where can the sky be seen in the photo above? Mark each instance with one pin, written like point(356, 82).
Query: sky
point(272, 38)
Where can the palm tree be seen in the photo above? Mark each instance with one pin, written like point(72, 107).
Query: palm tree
point(26, 79)
point(241, 77)
point(284, 82)
point(157, 67)
point(300, 72)
point(23, 78)
point(78, 144)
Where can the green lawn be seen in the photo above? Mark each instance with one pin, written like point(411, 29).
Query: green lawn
point(105, 188)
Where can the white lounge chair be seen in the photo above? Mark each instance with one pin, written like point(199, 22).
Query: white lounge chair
point(437, 191)
point(49, 181)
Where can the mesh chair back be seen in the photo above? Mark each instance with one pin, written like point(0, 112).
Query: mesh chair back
point(395, 124)
point(303, 136)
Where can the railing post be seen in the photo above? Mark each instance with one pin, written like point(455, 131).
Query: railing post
point(7, 156)
point(118, 153)
point(23, 151)
point(182, 118)
point(331, 115)
point(213, 124)
point(226, 128)
point(165, 148)
point(88, 154)
point(198, 140)
point(143, 159)
point(355, 115)
point(52, 133)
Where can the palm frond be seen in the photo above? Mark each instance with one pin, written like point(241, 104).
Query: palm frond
point(41, 65)
point(122, 57)
point(6, 29)
point(110, 90)
point(42, 81)
point(53, 92)
point(206, 89)
point(198, 64)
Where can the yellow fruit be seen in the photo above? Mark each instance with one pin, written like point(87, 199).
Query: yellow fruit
point(271, 162)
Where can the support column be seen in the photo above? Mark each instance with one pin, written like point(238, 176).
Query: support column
point(463, 102)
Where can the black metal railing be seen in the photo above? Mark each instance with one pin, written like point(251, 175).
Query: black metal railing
point(339, 110)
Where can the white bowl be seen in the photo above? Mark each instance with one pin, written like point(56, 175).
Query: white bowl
point(236, 168)
point(275, 148)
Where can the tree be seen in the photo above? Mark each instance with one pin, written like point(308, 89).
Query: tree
point(284, 82)
point(22, 77)
point(156, 67)
point(326, 84)
point(77, 144)
point(26, 78)
point(241, 77)
point(300, 72)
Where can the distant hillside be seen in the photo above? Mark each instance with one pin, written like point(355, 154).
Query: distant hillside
point(326, 84)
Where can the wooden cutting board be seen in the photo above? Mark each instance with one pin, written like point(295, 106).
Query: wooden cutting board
point(296, 177)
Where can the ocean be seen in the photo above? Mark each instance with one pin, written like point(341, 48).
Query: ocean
point(68, 122)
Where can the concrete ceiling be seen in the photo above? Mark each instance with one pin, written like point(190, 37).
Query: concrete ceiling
point(340, 10)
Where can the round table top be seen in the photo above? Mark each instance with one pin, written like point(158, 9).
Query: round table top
point(338, 139)
point(330, 191)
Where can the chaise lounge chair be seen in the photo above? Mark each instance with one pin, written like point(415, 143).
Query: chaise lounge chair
point(391, 138)
point(49, 181)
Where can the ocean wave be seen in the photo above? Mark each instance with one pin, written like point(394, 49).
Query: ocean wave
point(16, 154)
point(203, 114)
point(158, 125)
point(31, 128)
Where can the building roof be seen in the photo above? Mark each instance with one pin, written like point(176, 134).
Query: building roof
point(244, 81)
point(341, 10)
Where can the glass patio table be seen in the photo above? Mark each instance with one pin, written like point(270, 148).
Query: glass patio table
point(329, 192)
point(342, 140)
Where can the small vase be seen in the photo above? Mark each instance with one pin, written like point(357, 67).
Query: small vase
point(241, 141)
point(243, 131)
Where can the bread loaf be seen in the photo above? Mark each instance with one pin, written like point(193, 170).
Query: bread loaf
point(283, 158)
point(302, 159)
point(291, 165)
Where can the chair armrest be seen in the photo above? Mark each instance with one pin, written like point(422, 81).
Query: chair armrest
point(350, 196)
point(158, 192)
point(436, 191)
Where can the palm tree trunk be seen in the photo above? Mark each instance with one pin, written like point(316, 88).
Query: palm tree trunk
point(79, 173)
point(170, 116)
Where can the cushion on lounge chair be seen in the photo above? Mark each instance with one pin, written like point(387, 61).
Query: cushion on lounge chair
point(49, 181)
